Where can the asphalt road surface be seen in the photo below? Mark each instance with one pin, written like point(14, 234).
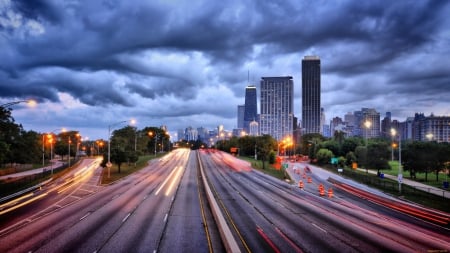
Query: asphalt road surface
point(164, 208)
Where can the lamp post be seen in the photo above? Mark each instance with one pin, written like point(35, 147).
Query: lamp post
point(50, 137)
point(68, 143)
point(109, 165)
point(367, 124)
point(156, 135)
point(400, 169)
point(43, 150)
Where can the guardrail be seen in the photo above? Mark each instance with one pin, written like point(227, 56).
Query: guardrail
point(224, 231)
point(25, 191)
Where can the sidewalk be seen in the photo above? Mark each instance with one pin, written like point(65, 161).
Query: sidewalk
point(417, 185)
point(324, 174)
point(55, 164)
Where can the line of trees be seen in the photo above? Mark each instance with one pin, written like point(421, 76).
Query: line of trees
point(417, 157)
point(128, 143)
point(16, 144)
point(264, 147)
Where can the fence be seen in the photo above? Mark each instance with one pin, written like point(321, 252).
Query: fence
point(417, 194)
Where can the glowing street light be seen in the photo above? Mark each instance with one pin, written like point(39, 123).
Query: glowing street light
point(400, 170)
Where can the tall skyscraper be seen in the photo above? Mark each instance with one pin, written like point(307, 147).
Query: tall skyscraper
point(251, 110)
point(240, 116)
point(277, 99)
point(311, 94)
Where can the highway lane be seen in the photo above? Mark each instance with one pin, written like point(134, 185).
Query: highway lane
point(190, 215)
point(128, 216)
point(271, 215)
point(80, 181)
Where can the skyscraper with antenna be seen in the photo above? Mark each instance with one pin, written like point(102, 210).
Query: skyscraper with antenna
point(251, 110)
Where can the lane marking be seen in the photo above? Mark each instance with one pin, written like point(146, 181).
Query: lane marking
point(86, 215)
point(126, 217)
point(165, 181)
point(323, 230)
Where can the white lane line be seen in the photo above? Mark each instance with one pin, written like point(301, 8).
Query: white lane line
point(165, 217)
point(165, 181)
point(323, 230)
point(126, 217)
point(86, 215)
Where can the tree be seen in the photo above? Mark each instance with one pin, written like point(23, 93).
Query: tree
point(310, 142)
point(118, 156)
point(331, 145)
point(361, 155)
point(350, 158)
point(324, 156)
point(377, 156)
point(339, 137)
point(265, 145)
point(9, 135)
point(350, 144)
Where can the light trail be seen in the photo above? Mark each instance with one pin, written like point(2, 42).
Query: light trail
point(165, 181)
point(175, 179)
point(23, 204)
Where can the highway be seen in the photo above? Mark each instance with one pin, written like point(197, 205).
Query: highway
point(164, 208)
point(269, 215)
point(136, 214)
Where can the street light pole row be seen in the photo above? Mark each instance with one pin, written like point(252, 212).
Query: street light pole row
point(109, 165)
point(400, 169)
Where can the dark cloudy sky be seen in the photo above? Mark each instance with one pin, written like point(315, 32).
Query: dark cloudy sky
point(184, 63)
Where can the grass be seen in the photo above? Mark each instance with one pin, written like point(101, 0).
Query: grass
point(269, 169)
point(126, 169)
point(420, 177)
point(391, 187)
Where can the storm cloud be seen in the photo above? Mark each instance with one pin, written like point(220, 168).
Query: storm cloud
point(172, 62)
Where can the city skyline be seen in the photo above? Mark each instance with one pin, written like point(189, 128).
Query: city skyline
point(186, 64)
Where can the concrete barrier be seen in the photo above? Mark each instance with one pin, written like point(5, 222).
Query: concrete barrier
point(224, 230)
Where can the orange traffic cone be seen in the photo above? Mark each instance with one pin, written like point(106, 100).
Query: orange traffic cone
point(321, 190)
point(300, 184)
point(309, 180)
point(330, 192)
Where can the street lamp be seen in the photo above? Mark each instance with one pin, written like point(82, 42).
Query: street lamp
point(156, 139)
point(367, 124)
point(50, 140)
point(110, 127)
point(400, 170)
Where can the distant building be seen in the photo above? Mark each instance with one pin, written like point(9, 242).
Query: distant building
point(322, 120)
point(311, 94)
point(190, 134)
point(254, 128)
point(371, 130)
point(250, 107)
point(203, 134)
point(180, 134)
point(431, 128)
point(386, 125)
point(238, 132)
point(350, 123)
point(277, 99)
point(336, 124)
point(240, 116)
